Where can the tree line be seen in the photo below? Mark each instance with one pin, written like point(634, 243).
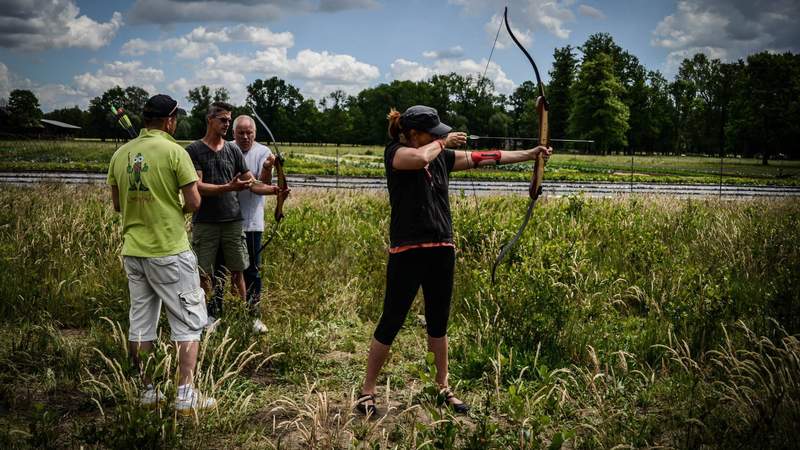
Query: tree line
point(597, 91)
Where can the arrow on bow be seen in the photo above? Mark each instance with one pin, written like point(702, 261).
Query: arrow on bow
point(282, 185)
point(535, 188)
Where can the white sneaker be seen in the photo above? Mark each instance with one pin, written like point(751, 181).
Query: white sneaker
point(151, 397)
point(194, 401)
point(211, 324)
point(259, 327)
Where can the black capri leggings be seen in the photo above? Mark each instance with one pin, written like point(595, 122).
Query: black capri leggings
point(431, 268)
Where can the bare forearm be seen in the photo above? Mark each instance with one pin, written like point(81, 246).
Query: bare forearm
point(508, 157)
point(263, 189)
point(208, 189)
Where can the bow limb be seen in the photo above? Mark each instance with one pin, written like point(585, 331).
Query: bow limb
point(535, 188)
point(283, 186)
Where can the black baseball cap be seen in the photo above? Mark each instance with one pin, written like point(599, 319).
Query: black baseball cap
point(423, 118)
point(161, 105)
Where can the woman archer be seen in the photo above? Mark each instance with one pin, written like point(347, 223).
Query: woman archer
point(418, 162)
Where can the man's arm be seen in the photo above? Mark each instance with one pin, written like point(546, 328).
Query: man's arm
point(115, 197)
point(265, 177)
point(239, 182)
point(191, 197)
point(265, 174)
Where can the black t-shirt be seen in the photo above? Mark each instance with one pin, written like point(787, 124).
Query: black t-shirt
point(218, 168)
point(419, 200)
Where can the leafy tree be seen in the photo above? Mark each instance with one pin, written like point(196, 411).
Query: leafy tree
point(624, 65)
point(23, 109)
point(643, 127)
point(277, 102)
point(310, 119)
point(471, 98)
point(630, 74)
point(201, 99)
point(598, 113)
point(661, 113)
point(337, 125)
point(499, 124)
point(767, 106)
point(524, 117)
point(101, 121)
point(372, 104)
point(558, 91)
point(700, 84)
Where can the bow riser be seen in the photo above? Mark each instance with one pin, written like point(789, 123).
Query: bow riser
point(544, 137)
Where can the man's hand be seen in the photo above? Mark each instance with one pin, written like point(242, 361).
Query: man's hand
point(237, 185)
point(282, 193)
point(269, 162)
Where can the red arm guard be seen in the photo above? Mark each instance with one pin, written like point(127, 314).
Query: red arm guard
point(477, 157)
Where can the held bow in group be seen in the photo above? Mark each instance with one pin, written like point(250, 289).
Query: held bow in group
point(535, 188)
point(282, 185)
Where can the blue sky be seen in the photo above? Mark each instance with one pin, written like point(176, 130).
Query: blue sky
point(69, 51)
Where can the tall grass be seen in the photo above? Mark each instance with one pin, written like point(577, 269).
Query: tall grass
point(631, 322)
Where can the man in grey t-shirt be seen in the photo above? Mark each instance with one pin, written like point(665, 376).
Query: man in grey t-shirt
point(259, 160)
point(217, 225)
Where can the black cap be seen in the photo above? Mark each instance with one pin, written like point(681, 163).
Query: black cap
point(161, 105)
point(423, 118)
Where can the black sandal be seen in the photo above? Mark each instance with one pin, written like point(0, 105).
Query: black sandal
point(364, 408)
point(447, 394)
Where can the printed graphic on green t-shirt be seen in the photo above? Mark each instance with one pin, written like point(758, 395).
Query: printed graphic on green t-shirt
point(139, 167)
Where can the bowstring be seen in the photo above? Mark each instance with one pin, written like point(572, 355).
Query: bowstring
point(483, 92)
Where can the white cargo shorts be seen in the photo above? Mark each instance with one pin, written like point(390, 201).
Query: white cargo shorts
point(174, 281)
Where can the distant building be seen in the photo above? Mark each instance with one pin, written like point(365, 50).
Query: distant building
point(54, 128)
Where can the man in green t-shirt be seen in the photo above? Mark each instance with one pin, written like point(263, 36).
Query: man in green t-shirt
point(153, 184)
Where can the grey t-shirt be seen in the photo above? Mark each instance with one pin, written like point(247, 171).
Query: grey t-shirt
point(218, 167)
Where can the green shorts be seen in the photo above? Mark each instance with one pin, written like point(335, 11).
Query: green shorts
point(208, 238)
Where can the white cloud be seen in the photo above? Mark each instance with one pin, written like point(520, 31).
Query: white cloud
point(531, 15)
point(201, 42)
point(553, 15)
point(727, 29)
point(51, 96)
point(402, 69)
point(56, 96)
point(173, 11)
point(119, 73)
point(452, 52)
point(588, 11)
point(32, 25)
point(316, 74)
point(183, 47)
point(503, 39)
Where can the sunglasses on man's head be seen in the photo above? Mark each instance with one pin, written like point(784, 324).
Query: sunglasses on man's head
point(224, 119)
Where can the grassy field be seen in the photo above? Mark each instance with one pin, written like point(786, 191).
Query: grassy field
point(89, 155)
point(639, 322)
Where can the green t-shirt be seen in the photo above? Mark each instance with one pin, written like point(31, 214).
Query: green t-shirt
point(149, 172)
